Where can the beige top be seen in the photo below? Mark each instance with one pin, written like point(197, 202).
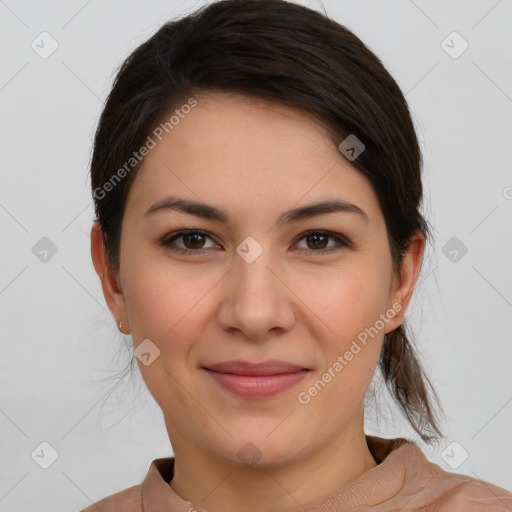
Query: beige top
point(404, 479)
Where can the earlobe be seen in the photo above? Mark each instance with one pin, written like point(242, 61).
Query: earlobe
point(112, 292)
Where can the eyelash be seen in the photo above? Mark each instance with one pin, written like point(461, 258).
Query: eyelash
point(342, 241)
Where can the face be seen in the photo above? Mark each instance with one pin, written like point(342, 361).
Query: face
point(255, 285)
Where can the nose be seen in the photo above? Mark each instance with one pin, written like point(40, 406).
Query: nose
point(256, 298)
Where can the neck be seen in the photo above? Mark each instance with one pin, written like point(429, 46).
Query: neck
point(215, 485)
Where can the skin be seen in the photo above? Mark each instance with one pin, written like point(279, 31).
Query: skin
point(291, 303)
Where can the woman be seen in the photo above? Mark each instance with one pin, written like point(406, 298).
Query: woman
point(256, 177)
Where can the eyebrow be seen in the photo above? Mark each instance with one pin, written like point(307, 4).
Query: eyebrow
point(209, 212)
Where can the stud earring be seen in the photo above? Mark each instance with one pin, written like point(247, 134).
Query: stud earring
point(120, 325)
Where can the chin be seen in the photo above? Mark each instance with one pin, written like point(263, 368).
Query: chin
point(261, 451)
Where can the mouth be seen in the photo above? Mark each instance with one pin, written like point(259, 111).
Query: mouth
point(256, 380)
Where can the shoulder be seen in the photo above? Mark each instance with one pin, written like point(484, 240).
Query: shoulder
point(128, 500)
point(453, 492)
point(471, 495)
point(423, 485)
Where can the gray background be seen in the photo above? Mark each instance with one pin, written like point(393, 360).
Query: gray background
point(59, 344)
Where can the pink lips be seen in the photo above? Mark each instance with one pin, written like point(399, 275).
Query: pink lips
point(256, 380)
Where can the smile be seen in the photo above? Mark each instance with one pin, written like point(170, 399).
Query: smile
point(257, 386)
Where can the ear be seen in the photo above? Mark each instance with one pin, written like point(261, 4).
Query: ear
point(403, 284)
point(109, 280)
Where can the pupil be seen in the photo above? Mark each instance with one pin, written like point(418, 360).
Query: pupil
point(191, 235)
point(318, 236)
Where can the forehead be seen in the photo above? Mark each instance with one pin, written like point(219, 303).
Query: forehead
point(244, 153)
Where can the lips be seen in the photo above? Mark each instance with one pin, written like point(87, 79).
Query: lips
point(269, 367)
point(256, 380)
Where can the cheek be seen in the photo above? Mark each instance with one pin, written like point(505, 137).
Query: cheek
point(158, 292)
point(164, 301)
point(346, 302)
point(350, 339)
point(349, 305)
point(167, 307)
point(152, 304)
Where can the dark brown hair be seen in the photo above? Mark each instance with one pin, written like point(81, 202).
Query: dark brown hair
point(280, 52)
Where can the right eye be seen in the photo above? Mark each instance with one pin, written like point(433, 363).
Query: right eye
point(190, 237)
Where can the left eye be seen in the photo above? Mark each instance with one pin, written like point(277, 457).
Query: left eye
point(195, 238)
point(319, 237)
